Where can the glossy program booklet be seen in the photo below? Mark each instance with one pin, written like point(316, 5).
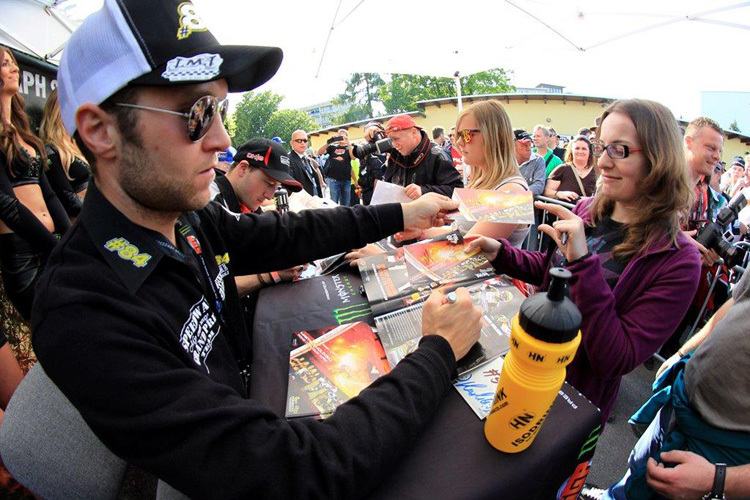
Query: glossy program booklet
point(331, 365)
point(493, 205)
point(397, 283)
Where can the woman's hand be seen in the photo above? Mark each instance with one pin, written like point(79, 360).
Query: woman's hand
point(413, 191)
point(361, 253)
point(569, 196)
point(567, 223)
point(489, 247)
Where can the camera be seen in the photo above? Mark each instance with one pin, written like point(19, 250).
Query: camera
point(376, 146)
point(336, 138)
point(711, 235)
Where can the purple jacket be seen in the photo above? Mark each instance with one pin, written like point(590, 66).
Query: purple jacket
point(621, 327)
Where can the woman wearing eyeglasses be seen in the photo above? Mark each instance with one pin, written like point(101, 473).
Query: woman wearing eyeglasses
point(576, 178)
point(68, 172)
point(31, 216)
point(634, 273)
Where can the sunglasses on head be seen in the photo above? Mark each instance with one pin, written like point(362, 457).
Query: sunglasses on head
point(200, 116)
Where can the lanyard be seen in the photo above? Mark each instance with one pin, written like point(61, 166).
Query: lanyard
point(187, 232)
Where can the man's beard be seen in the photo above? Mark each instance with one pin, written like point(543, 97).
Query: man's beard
point(141, 179)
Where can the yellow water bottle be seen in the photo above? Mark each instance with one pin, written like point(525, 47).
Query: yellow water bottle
point(544, 338)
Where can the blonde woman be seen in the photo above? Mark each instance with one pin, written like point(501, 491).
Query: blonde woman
point(68, 172)
point(484, 137)
point(30, 213)
point(634, 272)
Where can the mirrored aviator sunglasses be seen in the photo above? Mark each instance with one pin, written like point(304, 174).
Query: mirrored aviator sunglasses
point(200, 116)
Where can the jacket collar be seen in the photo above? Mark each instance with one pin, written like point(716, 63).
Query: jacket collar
point(132, 251)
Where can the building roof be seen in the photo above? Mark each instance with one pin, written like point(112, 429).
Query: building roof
point(362, 123)
point(510, 96)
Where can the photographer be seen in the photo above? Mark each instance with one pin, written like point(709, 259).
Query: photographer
point(371, 161)
point(340, 175)
point(416, 162)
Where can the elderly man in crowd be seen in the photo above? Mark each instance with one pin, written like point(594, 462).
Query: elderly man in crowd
point(417, 163)
point(530, 164)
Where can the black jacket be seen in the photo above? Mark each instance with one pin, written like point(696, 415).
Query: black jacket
point(433, 173)
point(299, 172)
point(144, 340)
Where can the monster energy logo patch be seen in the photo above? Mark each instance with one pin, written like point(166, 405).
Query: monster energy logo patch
point(350, 313)
point(591, 441)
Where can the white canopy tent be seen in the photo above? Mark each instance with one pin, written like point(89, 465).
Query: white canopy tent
point(666, 50)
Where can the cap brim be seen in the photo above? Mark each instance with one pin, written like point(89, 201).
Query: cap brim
point(285, 179)
point(244, 67)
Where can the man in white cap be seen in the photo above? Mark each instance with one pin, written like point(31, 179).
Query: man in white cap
point(137, 320)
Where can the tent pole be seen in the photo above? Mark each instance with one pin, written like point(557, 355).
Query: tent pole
point(457, 78)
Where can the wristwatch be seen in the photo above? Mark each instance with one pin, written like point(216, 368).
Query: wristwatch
point(717, 492)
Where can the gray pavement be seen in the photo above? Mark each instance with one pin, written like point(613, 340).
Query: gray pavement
point(615, 443)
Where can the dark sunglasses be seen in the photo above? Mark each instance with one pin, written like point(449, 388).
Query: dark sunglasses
point(301, 141)
point(200, 116)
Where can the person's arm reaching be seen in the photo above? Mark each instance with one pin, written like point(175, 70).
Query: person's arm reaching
point(693, 342)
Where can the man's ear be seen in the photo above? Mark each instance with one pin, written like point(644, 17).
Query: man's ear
point(688, 142)
point(243, 168)
point(98, 130)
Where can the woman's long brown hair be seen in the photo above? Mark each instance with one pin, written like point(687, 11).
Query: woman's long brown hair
point(665, 192)
point(18, 129)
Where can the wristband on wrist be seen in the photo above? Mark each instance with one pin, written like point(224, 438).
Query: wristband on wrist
point(717, 491)
point(262, 281)
point(276, 277)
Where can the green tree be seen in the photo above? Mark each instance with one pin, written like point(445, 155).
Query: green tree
point(403, 91)
point(231, 126)
point(362, 90)
point(284, 122)
point(252, 115)
point(734, 127)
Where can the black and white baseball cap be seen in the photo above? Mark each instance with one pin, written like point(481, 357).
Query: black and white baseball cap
point(147, 42)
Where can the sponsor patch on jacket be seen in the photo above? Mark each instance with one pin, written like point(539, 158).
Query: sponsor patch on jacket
point(199, 331)
point(128, 252)
point(219, 281)
point(189, 21)
point(201, 67)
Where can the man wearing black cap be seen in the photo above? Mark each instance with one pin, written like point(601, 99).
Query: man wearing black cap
point(260, 167)
point(137, 320)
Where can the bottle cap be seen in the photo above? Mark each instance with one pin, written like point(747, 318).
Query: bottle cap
point(551, 316)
